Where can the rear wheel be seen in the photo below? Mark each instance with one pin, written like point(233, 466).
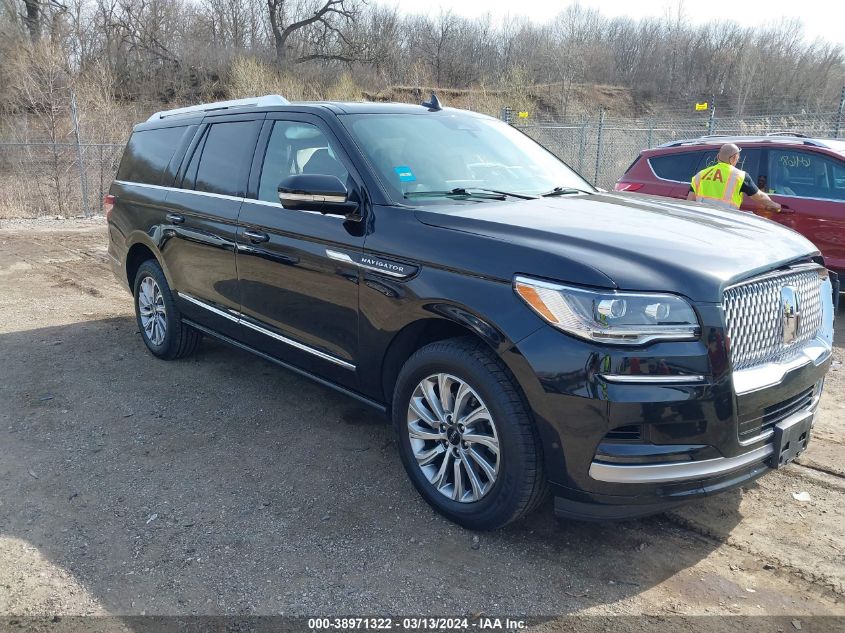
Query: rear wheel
point(465, 435)
point(158, 317)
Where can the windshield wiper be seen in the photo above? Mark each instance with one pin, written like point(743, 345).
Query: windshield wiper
point(564, 191)
point(509, 194)
point(474, 192)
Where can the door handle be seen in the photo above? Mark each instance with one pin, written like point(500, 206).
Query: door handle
point(175, 218)
point(256, 236)
point(786, 209)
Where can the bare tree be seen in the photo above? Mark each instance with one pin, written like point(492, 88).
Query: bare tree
point(322, 25)
point(42, 90)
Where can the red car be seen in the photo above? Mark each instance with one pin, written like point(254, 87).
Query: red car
point(806, 176)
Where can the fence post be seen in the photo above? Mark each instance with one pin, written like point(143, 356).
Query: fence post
point(711, 124)
point(650, 133)
point(839, 114)
point(598, 147)
point(582, 145)
point(506, 114)
point(83, 184)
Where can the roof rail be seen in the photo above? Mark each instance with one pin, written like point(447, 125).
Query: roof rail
point(795, 134)
point(251, 102)
point(768, 138)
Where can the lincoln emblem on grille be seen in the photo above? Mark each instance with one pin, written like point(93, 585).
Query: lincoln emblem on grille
point(791, 315)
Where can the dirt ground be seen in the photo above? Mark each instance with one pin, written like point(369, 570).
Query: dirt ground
point(224, 485)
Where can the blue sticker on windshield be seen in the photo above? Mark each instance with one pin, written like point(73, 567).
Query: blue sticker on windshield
point(405, 174)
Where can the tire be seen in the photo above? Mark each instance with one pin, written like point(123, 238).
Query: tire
point(518, 484)
point(167, 337)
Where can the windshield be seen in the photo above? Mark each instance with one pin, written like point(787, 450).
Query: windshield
point(441, 152)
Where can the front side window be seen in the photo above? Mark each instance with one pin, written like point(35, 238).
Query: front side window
point(444, 151)
point(296, 148)
point(806, 175)
point(749, 162)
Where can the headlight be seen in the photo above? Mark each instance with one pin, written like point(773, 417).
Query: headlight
point(629, 318)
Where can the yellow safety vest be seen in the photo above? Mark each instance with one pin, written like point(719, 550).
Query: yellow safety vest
point(719, 184)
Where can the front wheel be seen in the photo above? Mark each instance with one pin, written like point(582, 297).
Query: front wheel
point(465, 435)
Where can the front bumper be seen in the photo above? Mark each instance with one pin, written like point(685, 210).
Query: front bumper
point(690, 470)
point(628, 432)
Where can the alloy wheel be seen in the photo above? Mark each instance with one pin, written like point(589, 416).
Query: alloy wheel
point(453, 438)
point(152, 310)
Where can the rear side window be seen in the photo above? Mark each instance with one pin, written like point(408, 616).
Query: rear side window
point(226, 158)
point(148, 153)
point(680, 167)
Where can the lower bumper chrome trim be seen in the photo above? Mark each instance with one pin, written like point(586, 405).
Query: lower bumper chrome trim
point(662, 473)
point(648, 379)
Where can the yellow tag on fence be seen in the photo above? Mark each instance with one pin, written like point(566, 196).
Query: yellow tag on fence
point(701, 106)
point(523, 115)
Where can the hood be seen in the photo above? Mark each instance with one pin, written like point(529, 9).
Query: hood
point(631, 241)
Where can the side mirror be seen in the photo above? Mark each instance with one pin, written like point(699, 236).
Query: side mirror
point(317, 192)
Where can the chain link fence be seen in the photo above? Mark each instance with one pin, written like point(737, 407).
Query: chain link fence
point(602, 148)
point(66, 179)
point(71, 178)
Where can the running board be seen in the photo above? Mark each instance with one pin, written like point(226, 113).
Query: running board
point(326, 383)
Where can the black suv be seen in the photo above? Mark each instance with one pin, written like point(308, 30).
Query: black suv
point(523, 330)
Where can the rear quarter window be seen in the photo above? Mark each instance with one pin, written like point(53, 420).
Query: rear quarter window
point(148, 154)
point(679, 167)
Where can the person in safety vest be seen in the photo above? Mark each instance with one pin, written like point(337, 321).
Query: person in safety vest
point(722, 185)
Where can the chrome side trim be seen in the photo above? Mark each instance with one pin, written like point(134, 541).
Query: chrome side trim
point(661, 473)
point(328, 383)
point(656, 380)
point(238, 317)
point(199, 193)
point(346, 259)
point(142, 184)
point(340, 257)
point(298, 345)
point(232, 316)
point(278, 205)
point(208, 194)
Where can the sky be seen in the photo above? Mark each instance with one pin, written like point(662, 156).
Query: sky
point(820, 18)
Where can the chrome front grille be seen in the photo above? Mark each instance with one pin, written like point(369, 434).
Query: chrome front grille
point(754, 316)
